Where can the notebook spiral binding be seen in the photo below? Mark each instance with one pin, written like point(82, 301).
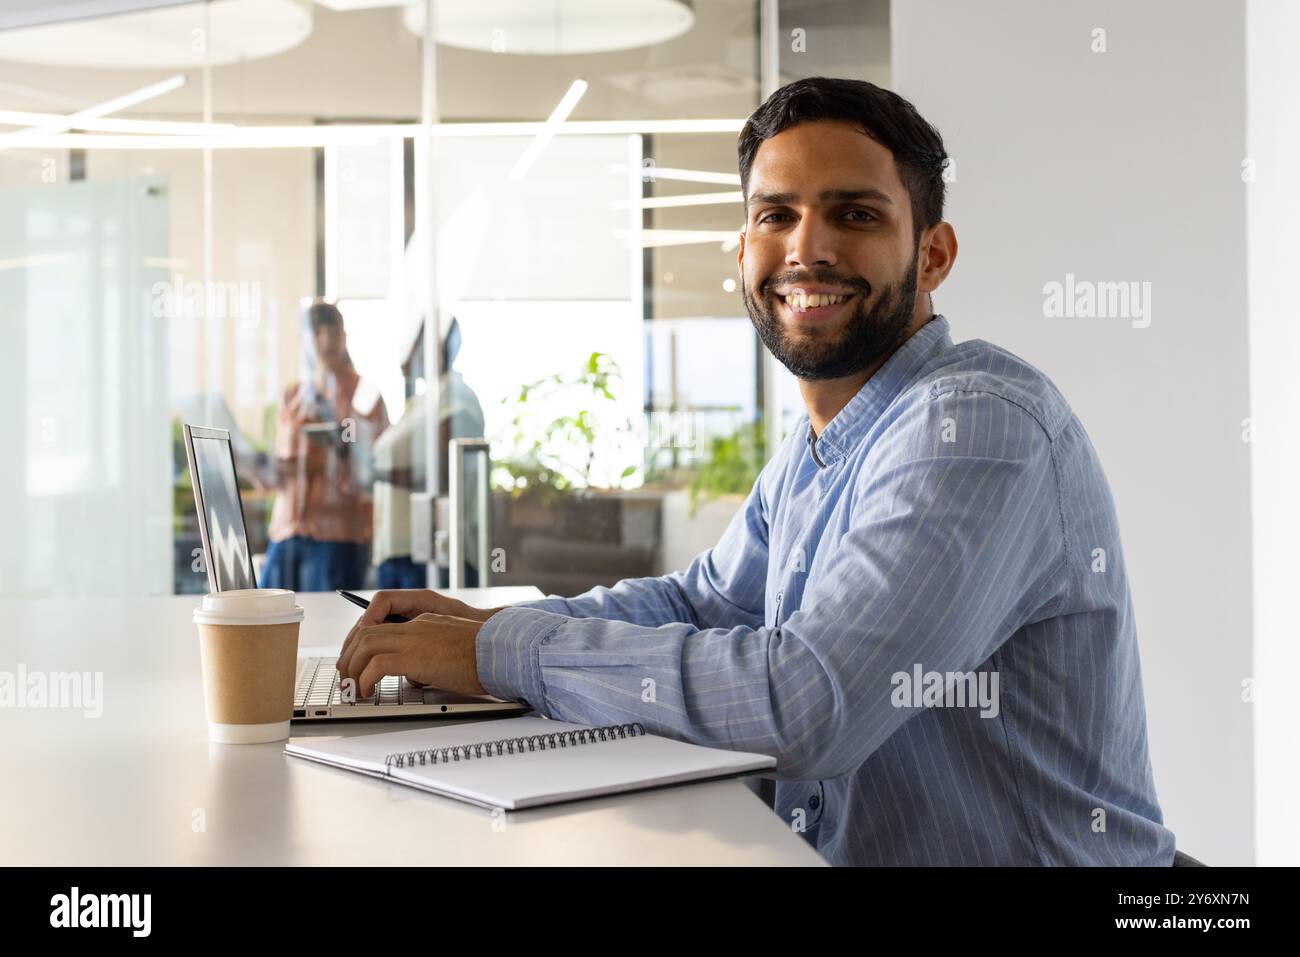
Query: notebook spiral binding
point(532, 742)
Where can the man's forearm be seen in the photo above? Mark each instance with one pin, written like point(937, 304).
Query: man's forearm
point(641, 601)
point(713, 687)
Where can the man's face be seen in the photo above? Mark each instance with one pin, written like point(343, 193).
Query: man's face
point(827, 216)
point(330, 345)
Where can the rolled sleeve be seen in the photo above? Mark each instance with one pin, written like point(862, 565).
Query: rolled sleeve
point(552, 603)
point(507, 651)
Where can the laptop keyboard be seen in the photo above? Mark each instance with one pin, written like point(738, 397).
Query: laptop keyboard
point(318, 687)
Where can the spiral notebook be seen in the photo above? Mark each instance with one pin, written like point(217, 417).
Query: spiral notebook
point(518, 763)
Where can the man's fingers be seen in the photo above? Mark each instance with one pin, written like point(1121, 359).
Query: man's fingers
point(352, 635)
point(377, 667)
point(407, 602)
point(379, 609)
point(370, 641)
point(349, 646)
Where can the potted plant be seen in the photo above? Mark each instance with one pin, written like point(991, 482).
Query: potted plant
point(562, 511)
point(694, 517)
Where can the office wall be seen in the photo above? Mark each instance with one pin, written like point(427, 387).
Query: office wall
point(1273, 196)
point(1123, 166)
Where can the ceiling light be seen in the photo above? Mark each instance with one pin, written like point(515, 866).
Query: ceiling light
point(124, 102)
point(110, 125)
point(652, 172)
point(687, 199)
point(301, 137)
point(553, 122)
point(651, 238)
point(167, 37)
point(551, 27)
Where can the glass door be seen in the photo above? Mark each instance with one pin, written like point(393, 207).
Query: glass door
point(84, 298)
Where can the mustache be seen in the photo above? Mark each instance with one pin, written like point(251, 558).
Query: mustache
point(824, 278)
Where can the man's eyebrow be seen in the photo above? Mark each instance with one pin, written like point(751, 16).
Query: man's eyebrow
point(826, 196)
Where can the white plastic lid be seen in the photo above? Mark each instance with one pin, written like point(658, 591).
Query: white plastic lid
point(249, 606)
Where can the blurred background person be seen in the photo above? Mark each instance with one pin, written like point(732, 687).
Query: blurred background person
point(399, 469)
point(328, 421)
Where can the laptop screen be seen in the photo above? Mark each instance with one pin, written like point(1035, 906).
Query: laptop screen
point(228, 561)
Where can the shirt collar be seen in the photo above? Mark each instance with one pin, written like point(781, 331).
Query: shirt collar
point(851, 423)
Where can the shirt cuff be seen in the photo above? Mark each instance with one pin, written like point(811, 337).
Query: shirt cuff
point(559, 606)
point(508, 649)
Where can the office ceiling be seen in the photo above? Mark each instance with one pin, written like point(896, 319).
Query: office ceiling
point(365, 64)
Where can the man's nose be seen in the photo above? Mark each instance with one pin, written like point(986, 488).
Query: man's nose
point(811, 243)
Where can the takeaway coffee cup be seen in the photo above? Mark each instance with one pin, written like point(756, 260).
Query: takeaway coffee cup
point(248, 639)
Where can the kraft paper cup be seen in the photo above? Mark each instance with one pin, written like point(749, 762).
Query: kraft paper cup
point(248, 640)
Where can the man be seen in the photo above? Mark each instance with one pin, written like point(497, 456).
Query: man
point(922, 609)
point(399, 469)
point(321, 522)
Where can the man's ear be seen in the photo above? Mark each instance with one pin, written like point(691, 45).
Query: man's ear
point(740, 257)
point(937, 255)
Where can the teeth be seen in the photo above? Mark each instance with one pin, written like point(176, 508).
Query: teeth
point(802, 300)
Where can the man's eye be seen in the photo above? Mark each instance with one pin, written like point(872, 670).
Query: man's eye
point(860, 213)
point(769, 217)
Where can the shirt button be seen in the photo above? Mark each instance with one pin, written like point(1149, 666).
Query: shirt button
point(815, 802)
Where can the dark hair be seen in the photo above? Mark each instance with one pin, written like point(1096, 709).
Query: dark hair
point(882, 114)
point(324, 314)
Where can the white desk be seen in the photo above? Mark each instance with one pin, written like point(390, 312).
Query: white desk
point(141, 785)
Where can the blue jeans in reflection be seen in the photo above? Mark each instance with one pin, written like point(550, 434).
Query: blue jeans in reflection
point(401, 572)
point(305, 564)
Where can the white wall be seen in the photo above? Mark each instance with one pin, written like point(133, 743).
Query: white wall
point(1123, 166)
point(1273, 127)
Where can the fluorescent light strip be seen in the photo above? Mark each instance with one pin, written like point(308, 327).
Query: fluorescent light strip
point(591, 126)
point(683, 175)
point(689, 199)
point(297, 137)
point(124, 102)
point(688, 237)
point(170, 127)
point(556, 119)
point(263, 137)
point(26, 262)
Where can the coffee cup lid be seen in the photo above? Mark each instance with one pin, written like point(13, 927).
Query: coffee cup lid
point(249, 606)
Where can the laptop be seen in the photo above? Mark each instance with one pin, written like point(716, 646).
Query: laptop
point(317, 695)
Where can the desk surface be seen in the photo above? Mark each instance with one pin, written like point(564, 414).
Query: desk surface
point(141, 784)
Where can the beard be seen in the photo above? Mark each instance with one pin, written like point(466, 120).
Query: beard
point(869, 332)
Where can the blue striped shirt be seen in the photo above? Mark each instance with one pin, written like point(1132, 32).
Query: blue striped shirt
point(923, 614)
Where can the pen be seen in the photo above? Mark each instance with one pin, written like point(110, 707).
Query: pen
point(358, 600)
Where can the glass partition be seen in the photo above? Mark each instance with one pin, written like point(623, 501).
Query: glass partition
point(214, 214)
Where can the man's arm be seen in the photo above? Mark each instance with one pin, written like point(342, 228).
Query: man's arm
point(290, 444)
point(952, 547)
point(723, 585)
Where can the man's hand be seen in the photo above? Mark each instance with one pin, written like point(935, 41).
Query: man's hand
point(409, 603)
point(436, 650)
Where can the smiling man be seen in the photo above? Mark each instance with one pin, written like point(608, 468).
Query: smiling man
point(921, 610)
